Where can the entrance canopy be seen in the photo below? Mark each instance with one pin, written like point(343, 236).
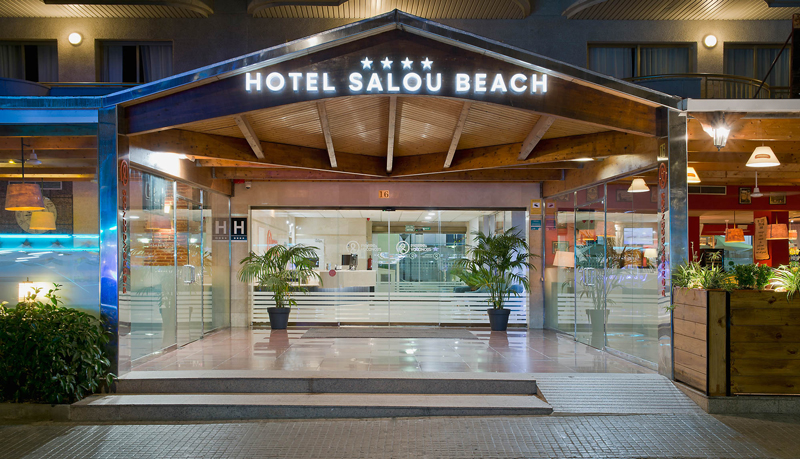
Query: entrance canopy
point(395, 97)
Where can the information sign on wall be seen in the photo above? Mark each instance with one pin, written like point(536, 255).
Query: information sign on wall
point(760, 246)
point(238, 228)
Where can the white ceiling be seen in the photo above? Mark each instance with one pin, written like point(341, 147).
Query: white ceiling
point(383, 216)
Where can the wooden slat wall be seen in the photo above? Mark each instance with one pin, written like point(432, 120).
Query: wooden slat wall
point(690, 322)
point(764, 343)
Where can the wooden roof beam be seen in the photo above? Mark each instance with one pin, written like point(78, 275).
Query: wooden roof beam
point(490, 175)
point(210, 146)
point(536, 134)
point(326, 131)
point(462, 120)
point(249, 135)
point(50, 143)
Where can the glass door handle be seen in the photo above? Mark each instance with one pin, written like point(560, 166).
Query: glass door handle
point(189, 276)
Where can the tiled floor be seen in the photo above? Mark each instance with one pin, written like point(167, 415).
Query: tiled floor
point(515, 351)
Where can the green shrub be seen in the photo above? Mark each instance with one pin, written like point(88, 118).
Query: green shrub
point(51, 354)
point(692, 275)
point(752, 276)
point(787, 279)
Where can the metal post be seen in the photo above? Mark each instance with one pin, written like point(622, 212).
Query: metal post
point(108, 180)
point(794, 84)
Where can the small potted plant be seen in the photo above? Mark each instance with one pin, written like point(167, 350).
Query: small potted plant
point(283, 271)
point(496, 264)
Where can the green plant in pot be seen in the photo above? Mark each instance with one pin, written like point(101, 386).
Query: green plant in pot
point(281, 270)
point(787, 279)
point(595, 284)
point(496, 263)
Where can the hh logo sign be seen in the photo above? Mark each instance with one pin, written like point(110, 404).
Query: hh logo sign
point(234, 229)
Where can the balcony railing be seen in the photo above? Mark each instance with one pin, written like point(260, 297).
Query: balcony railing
point(711, 86)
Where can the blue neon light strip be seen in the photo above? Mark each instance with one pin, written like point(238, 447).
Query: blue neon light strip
point(49, 236)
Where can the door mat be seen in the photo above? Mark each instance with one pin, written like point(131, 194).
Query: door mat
point(336, 332)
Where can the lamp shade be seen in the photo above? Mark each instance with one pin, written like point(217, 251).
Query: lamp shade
point(607, 229)
point(691, 175)
point(564, 259)
point(763, 157)
point(792, 234)
point(43, 221)
point(638, 186)
point(24, 196)
point(650, 254)
point(734, 235)
point(777, 232)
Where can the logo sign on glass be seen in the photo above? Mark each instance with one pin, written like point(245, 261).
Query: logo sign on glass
point(393, 76)
point(238, 228)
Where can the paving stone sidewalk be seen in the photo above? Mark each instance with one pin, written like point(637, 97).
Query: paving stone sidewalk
point(565, 436)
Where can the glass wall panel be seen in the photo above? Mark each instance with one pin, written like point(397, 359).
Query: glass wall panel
point(67, 255)
point(385, 267)
point(591, 284)
point(189, 253)
point(559, 263)
point(632, 303)
point(216, 262)
point(152, 304)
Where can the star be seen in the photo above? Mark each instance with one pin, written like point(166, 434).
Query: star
point(387, 64)
point(426, 64)
point(366, 63)
point(407, 64)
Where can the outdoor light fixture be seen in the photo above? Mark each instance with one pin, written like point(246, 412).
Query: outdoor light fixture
point(24, 196)
point(777, 232)
point(719, 133)
point(691, 175)
point(763, 157)
point(43, 220)
point(75, 38)
point(638, 186)
point(710, 41)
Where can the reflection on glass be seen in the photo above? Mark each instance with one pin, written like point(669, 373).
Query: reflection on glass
point(559, 263)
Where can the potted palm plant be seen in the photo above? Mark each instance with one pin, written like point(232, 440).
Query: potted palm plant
point(496, 264)
point(283, 271)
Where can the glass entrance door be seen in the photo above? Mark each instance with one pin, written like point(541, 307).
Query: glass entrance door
point(189, 252)
point(590, 268)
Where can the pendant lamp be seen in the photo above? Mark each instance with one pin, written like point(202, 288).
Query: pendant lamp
point(638, 186)
point(24, 196)
point(43, 220)
point(733, 234)
point(691, 175)
point(777, 232)
point(763, 157)
point(564, 259)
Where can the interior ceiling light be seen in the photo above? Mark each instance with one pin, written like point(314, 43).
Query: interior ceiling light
point(33, 160)
point(763, 157)
point(24, 196)
point(777, 232)
point(583, 160)
point(43, 220)
point(638, 186)
point(691, 175)
point(710, 41)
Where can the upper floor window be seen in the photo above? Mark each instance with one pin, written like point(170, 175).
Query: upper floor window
point(627, 60)
point(34, 61)
point(125, 62)
point(753, 61)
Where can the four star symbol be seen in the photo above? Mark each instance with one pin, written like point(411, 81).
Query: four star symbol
point(407, 64)
point(366, 63)
point(387, 64)
point(426, 64)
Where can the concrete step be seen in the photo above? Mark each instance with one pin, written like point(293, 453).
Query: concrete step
point(207, 407)
point(321, 382)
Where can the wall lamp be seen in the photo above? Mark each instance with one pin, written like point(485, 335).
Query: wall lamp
point(710, 41)
point(75, 38)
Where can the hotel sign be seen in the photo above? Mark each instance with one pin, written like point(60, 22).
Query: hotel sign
point(390, 76)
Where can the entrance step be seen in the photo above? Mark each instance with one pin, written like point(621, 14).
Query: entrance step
point(323, 382)
point(204, 407)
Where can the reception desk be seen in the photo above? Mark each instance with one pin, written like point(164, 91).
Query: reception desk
point(346, 279)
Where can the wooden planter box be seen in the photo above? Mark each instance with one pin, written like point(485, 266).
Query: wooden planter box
point(742, 342)
point(699, 335)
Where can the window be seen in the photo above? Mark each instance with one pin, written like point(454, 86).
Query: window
point(753, 61)
point(627, 61)
point(29, 61)
point(125, 62)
